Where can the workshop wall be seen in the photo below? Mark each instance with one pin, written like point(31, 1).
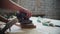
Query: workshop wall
point(33, 6)
point(51, 8)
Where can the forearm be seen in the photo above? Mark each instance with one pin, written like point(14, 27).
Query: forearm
point(9, 4)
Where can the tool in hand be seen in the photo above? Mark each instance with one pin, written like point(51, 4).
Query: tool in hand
point(25, 22)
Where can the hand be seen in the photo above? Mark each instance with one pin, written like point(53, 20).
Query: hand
point(29, 14)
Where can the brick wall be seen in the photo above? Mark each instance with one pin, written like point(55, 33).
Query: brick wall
point(51, 8)
point(33, 6)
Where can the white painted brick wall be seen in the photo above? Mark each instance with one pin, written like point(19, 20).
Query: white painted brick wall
point(32, 6)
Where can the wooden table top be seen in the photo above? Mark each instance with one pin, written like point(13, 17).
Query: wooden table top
point(40, 29)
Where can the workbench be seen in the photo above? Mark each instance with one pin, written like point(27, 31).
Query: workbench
point(40, 29)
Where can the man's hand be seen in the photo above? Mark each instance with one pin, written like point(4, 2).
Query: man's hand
point(28, 13)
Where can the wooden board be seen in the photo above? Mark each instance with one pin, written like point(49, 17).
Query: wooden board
point(40, 29)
